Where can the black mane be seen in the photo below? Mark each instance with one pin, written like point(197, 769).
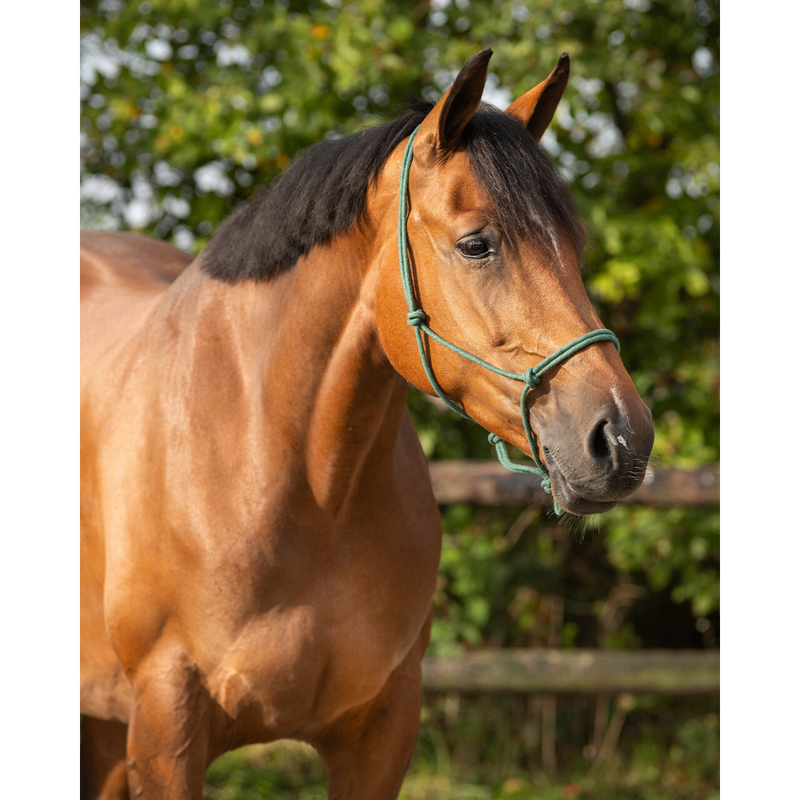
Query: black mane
point(322, 194)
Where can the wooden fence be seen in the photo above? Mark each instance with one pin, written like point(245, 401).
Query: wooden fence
point(675, 672)
point(487, 483)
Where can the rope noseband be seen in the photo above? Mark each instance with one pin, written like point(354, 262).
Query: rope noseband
point(532, 376)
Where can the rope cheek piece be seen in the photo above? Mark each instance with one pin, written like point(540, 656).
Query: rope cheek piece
point(531, 377)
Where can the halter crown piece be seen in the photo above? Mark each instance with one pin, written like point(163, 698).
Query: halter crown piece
point(532, 376)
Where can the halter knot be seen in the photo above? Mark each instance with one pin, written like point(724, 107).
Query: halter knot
point(531, 378)
point(417, 317)
point(547, 484)
point(494, 439)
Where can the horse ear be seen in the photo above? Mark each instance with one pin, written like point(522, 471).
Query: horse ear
point(535, 109)
point(440, 132)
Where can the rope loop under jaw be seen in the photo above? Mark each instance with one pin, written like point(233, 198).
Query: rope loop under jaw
point(531, 377)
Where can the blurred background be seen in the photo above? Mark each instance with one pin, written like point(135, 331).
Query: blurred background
point(187, 108)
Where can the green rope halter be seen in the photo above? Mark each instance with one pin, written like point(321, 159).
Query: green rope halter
point(532, 376)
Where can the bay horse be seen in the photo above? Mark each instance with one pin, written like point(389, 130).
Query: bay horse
point(259, 537)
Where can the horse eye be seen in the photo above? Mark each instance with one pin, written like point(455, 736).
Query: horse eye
point(474, 248)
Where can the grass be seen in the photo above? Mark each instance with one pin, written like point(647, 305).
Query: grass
point(667, 752)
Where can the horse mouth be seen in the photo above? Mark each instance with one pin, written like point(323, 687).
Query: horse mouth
point(570, 498)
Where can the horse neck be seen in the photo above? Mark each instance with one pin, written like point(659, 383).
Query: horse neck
point(313, 380)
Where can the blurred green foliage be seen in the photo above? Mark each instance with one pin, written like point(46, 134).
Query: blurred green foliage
point(189, 107)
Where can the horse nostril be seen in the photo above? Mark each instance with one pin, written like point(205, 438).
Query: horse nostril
point(598, 443)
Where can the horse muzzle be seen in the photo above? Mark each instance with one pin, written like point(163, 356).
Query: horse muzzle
point(591, 474)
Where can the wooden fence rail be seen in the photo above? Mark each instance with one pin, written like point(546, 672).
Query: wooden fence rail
point(674, 672)
point(487, 483)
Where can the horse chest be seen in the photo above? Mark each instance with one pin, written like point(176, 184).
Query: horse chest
point(329, 641)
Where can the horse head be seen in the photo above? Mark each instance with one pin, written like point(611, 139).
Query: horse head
point(494, 247)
